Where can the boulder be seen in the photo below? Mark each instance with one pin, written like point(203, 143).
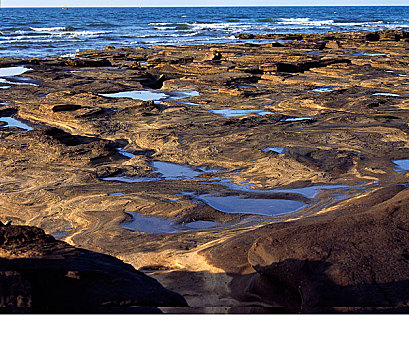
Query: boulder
point(372, 37)
point(338, 262)
point(39, 274)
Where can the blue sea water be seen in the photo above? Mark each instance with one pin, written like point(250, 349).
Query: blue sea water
point(32, 32)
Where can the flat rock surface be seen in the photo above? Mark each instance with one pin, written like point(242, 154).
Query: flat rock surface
point(265, 134)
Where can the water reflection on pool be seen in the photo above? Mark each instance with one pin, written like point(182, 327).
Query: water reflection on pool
point(12, 122)
point(280, 150)
point(149, 95)
point(228, 112)
point(403, 164)
point(156, 224)
point(13, 71)
point(246, 205)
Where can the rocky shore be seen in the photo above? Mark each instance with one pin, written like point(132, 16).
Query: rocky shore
point(249, 178)
point(39, 274)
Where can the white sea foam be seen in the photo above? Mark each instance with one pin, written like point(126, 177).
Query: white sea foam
point(51, 29)
point(69, 32)
point(306, 21)
point(160, 23)
point(70, 55)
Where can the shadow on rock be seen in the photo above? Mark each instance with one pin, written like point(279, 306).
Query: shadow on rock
point(307, 287)
point(39, 274)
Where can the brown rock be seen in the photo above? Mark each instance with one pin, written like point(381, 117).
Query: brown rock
point(333, 44)
point(358, 260)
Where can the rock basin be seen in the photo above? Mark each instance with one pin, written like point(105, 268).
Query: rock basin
point(323, 89)
point(403, 164)
point(13, 122)
point(153, 95)
point(279, 150)
point(385, 94)
point(228, 112)
point(247, 205)
point(155, 224)
point(13, 71)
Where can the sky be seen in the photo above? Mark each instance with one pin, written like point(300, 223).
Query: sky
point(190, 3)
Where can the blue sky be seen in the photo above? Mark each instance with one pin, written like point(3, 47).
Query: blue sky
point(174, 3)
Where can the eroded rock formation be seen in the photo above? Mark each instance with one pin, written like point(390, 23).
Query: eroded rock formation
point(39, 274)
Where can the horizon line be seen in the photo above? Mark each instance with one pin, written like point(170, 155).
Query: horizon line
point(74, 7)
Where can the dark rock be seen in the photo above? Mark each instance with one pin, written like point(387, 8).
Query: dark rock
point(87, 63)
point(299, 67)
point(39, 274)
point(357, 260)
point(245, 36)
point(213, 55)
point(372, 37)
point(65, 108)
point(155, 83)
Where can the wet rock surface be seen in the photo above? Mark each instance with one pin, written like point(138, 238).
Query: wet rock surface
point(336, 102)
point(39, 274)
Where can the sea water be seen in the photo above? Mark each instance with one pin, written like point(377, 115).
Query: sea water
point(33, 32)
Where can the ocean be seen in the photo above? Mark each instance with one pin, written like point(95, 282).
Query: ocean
point(37, 32)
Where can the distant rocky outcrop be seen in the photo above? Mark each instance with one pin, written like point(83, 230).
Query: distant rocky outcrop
point(39, 274)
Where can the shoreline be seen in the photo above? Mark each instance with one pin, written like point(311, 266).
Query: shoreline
point(220, 128)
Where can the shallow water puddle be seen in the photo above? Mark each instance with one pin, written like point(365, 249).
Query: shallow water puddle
point(245, 205)
point(280, 150)
point(12, 122)
point(129, 179)
point(190, 103)
point(251, 87)
point(125, 153)
point(19, 81)
point(177, 95)
point(368, 54)
point(166, 170)
point(200, 224)
point(155, 224)
point(227, 112)
point(308, 191)
point(60, 234)
point(403, 164)
point(8, 76)
point(172, 171)
point(323, 89)
point(13, 71)
point(385, 94)
point(157, 96)
point(297, 119)
point(139, 95)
